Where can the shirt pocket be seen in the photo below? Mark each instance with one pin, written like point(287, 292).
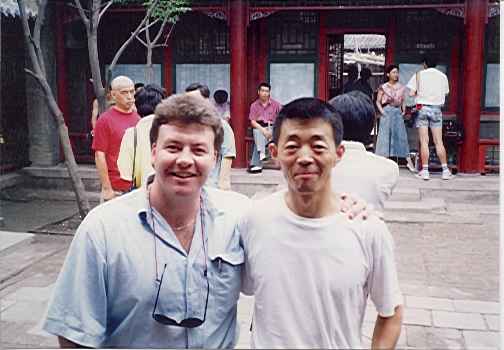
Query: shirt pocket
point(225, 273)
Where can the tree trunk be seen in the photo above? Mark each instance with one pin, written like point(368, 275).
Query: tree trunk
point(33, 46)
point(149, 65)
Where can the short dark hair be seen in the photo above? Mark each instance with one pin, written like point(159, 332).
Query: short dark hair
point(365, 73)
point(139, 85)
point(353, 72)
point(192, 87)
point(220, 96)
point(305, 109)
point(204, 91)
point(357, 114)
point(147, 98)
point(430, 58)
point(265, 85)
point(185, 109)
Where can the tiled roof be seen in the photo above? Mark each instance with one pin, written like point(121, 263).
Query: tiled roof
point(11, 8)
point(364, 41)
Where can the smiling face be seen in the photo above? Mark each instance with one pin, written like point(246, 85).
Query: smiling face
point(306, 153)
point(183, 158)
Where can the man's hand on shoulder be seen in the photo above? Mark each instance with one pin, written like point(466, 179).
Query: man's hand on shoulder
point(354, 205)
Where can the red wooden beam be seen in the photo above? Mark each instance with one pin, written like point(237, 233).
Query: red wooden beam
point(390, 43)
point(322, 60)
point(475, 33)
point(239, 77)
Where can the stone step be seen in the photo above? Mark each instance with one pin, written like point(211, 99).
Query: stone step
point(405, 194)
point(18, 193)
point(426, 206)
point(413, 217)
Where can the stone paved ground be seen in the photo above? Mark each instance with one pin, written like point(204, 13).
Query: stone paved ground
point(448, 273)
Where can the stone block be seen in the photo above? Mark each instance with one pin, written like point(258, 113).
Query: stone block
point(417, 317)
point(481, 340)
point(246, 305)
point(492, 322)
point(429, 303)
point(414, 289)
point(4, 304)
point(416, 336)
point(476, 306)
point(30, 294)
point(458, 320)
point(24, 311)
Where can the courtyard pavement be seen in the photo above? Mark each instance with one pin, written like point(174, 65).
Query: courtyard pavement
point(448, 267)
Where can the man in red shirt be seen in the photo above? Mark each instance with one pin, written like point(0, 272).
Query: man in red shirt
point(262, 115)
point(108, 134)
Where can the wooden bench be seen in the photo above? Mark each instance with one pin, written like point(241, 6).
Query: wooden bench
point(482, 145)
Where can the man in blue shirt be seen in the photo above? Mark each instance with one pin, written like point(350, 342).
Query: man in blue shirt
point(161, 266)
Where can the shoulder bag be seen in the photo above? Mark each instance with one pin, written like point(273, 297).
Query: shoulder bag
point(133, 180)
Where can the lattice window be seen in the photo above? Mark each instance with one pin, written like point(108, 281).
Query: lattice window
point(200, 39)
point(493, 38)
point(358, 19)
point(292, 33)
point(335, 65)
point(356, 3)
point(421, 30)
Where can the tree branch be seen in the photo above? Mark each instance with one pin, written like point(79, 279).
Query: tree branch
point(161, 30)
point(143, 43)
point(81, 13)
point(148, 26)
point(105, 9)
point(39, 22)
point(123, 47)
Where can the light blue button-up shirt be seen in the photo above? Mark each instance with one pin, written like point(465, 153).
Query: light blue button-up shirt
point(105, 294)
point(228, 149)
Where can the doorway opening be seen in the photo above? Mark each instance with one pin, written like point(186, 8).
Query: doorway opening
point(362, 51)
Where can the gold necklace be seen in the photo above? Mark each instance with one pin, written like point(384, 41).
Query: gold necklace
point(189, 224)
point(183, 227)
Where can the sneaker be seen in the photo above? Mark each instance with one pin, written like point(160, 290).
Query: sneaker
point(447, 175)
point(411, 168)
point(422, 175)
point(254, 170)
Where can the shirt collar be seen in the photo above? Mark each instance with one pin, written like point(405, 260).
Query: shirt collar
point(207, 204)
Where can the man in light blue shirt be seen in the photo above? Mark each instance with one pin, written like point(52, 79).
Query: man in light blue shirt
point(161, 266)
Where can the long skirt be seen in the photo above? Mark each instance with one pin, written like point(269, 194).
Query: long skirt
point(392, 140)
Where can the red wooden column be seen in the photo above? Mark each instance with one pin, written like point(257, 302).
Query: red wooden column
point(61, 76)
point(475, 34)
point(390, 44)
point(239, 77)
point(322, 60)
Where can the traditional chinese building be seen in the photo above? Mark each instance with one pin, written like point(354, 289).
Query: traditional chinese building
point(301, 48)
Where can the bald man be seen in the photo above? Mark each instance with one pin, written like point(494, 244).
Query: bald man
point(108, 134)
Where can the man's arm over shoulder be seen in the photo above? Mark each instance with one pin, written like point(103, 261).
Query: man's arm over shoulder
point(383, 286)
